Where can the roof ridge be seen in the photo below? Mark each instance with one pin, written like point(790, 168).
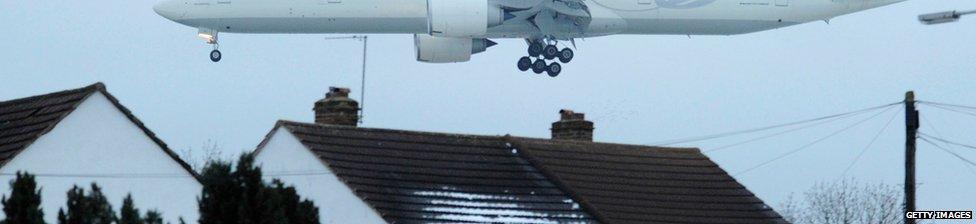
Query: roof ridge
point(506, 137)
point(648, 147)
point(91, 88)
point(389, 130)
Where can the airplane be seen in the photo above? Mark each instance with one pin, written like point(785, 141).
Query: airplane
point(449, 31)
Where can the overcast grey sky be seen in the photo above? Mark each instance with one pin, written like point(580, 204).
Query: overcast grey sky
point(638, 89)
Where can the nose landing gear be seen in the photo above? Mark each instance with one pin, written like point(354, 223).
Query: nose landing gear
point(215, 55)
point(210, 36)
point(542, 51)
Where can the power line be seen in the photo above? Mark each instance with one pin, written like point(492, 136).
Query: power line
point(778, 133)
point(107, 175)
point(931, 124)
point(157, 175)
point(752, 130)
point(808, 145)
point(859, 155)
point(947, 141)
point(946, 104)
point(969, 162)
point(950, 109)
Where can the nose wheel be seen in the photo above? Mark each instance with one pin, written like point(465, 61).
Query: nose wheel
point(215, 55)
point(539, 53)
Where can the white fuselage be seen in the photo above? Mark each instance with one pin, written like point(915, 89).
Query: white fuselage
point(712, 17)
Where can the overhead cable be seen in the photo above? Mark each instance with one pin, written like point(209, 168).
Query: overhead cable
point(752, 130)
point(778, 133)
point(947, 141)
point(808, 145)
point(963, 159)
point(859, 155)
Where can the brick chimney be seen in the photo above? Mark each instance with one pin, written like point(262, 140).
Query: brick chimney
point(337, 108)
point(572, 126)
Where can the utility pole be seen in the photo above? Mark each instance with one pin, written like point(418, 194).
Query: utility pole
point(911, 134)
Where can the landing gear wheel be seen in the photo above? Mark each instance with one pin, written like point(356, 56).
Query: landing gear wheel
point(524, 64)
point(550, 52)
point(539, 66)
point(554, 69)
point(535, 49)
point(566, 55)
point(215, 55)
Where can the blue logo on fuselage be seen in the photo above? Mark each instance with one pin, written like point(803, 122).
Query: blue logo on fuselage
point(683, 4)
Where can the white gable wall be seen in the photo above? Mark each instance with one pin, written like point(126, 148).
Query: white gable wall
point(284, 154)
point(98, 139)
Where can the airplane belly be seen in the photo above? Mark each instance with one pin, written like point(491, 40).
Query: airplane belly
point(706, 17)
point(313, 16)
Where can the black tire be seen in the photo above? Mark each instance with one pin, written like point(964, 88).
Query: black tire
point(539, 66)
point(554, 69)
point(215, 56)
point(566, 55)
point(535, 49)
point(524, 64)
point(550, 52)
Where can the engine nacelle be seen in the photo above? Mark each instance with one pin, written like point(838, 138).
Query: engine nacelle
point(463, 18)
point(433, 49)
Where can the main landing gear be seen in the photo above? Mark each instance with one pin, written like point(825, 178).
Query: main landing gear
point(543, 51)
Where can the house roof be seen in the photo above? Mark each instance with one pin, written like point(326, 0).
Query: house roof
point(22, 121)
point(410, 177)
point(640, 184)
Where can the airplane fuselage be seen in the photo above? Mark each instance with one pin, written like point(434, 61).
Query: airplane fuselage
point(707, 17)
point(449, 31)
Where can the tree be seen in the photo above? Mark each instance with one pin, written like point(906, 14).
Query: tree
point(129, 214)
point(845, 202)
point(24, 204)
point(153, 217)
point(303, 212)
point(218, 202)
point(240, 196)
point(87, 209)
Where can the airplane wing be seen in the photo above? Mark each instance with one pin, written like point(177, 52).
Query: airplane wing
point(558, 19)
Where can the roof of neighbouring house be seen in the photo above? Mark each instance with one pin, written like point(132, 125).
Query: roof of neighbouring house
point(22, 121)
point(409, 176)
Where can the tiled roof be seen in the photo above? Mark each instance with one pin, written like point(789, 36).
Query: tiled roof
point(639, 184)
point(22, 121)
point(411, 177)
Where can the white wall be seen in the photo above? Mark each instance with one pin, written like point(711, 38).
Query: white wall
point(97, 138)
point(337, 203)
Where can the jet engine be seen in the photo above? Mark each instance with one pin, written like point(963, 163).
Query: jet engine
point(463, 18)
point(433, 49)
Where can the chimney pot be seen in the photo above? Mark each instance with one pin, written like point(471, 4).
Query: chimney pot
point(337, 108)
point(572, 126)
